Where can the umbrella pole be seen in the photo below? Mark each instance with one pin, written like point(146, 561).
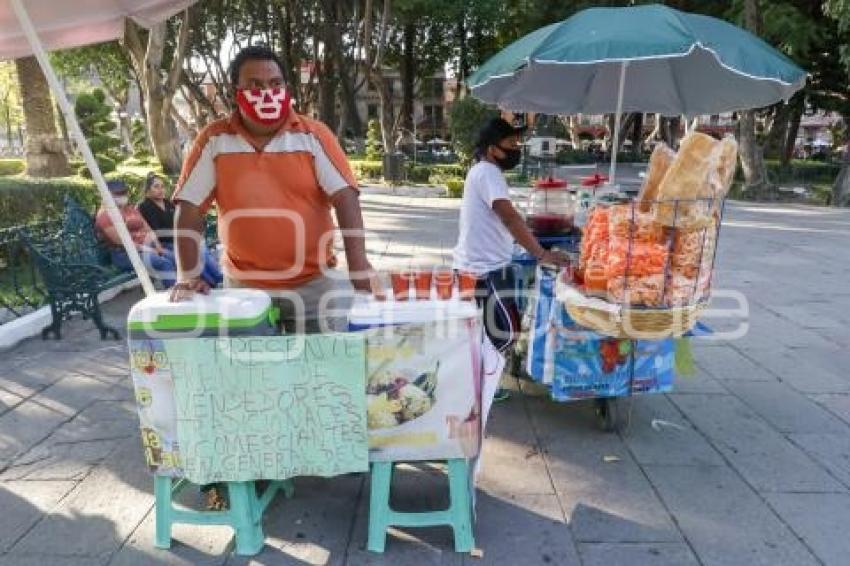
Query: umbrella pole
point(82, 143)
point(612, 172)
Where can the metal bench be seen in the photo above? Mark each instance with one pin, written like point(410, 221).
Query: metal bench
point(75, 268)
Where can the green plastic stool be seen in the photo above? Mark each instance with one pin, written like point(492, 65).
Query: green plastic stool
point(458, 516)
point(244, 516)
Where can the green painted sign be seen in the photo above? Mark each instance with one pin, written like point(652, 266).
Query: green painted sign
point(270, 407)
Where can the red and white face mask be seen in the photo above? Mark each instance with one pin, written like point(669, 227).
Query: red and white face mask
point(268, 106)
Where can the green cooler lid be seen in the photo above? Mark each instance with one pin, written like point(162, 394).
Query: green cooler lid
point(225, 308)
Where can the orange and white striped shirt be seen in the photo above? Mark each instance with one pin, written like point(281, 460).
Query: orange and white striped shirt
point(273, 202)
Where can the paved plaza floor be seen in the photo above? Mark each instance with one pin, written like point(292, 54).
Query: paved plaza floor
point(745, 463)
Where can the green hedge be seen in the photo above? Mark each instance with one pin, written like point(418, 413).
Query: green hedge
point(26, 199)
point(802, 171)
point(434, 173)
point(454, 188)
point(419, 174)
point(9, 167)
point(449, 169)
point(106, 164)
point(574, 157)
point(371, 170)
point(517, 179)
point(581, 157)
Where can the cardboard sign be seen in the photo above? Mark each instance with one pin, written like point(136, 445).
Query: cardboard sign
point(424, 391)
point(270, 407)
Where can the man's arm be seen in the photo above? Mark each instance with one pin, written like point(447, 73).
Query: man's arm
point(349, 217)
point(189, 226)
point(516, 226)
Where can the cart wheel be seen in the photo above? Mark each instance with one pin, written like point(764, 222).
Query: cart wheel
point(612, 413)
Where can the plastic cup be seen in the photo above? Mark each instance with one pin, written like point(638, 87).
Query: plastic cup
point(466, 285)
point(423, 284)
point(444, 280)
point(401, 285)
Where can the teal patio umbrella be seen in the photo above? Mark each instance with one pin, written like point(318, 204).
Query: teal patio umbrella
point(649, 58)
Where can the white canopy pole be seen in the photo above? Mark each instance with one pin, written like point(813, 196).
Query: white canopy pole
point(82, 143)
point(612, 172)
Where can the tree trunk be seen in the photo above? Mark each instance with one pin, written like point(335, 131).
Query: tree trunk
point(125, 125)
point(327, 93)
point(841, 188)
point(349, 123)
point(9, 127)
point(637, 134)
point(749, 150)
point(45, 154)
point(164, 135)
point(126, 131)
point(752, 158)
point(328, 77)
point(777, 133)
point(669, 130)
point(408, 76)
point(63, 128)
point(389, 123)
point(655, 133)
point(374, 68)
point(571, 122)
point(626, 122)
point(159, 84)
point(463, 55)
point(798, 106)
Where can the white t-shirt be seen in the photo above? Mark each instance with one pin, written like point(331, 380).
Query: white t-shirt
point(484, 244)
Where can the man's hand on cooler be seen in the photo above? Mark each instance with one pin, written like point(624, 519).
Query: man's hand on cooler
point(185, 289)
point(366, 280)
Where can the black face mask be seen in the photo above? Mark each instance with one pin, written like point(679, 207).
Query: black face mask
point(510, 160)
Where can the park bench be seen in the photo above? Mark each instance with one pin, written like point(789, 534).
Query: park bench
point(75, 268)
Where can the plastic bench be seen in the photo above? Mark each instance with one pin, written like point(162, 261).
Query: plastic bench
point(458, 516)
point(245, 515)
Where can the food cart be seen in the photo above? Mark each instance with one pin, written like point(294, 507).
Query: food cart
point(636, 59)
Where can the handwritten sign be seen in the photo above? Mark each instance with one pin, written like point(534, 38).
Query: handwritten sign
point(269, 407)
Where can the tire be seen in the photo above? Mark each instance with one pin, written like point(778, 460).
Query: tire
point(611, 412)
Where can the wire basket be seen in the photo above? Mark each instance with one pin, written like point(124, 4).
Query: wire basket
point(645, 268)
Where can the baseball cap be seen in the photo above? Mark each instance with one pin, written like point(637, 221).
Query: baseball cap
point(117, 186)
point(495, 131)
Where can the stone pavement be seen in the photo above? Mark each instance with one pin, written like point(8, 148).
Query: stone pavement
point(755, 468)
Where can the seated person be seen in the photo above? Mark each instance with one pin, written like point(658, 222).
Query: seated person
point(157, 259)
point(158, 212)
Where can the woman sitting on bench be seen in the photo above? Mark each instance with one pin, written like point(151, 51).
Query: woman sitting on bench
point(158, 212)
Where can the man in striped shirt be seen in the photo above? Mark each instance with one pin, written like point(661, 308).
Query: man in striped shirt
point(274, 175)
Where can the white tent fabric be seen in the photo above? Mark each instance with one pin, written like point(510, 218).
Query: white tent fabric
point(72, 23)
